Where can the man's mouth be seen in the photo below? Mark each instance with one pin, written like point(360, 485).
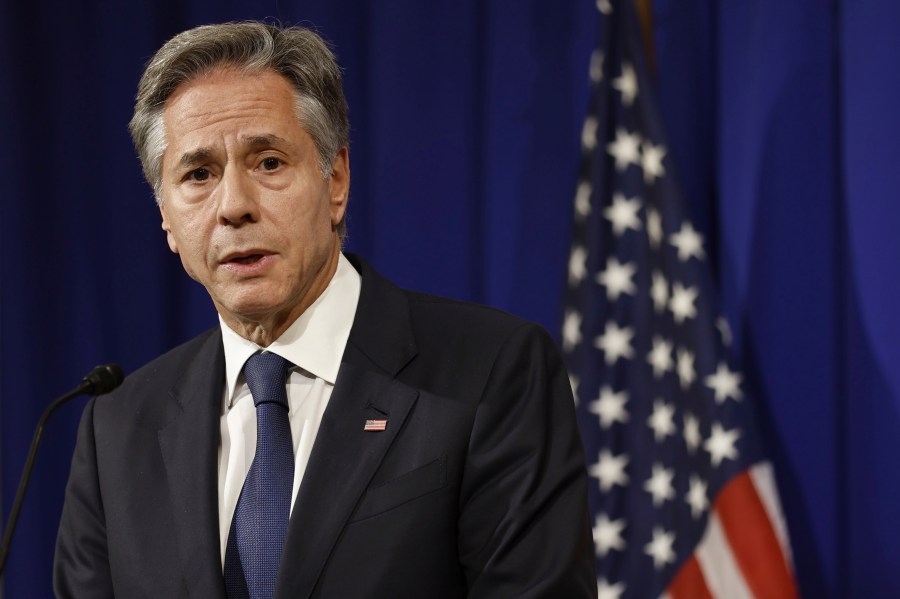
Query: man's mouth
point(248, 258)
point(251, 259)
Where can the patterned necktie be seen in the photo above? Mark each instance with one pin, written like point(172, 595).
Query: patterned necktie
point(253, 551)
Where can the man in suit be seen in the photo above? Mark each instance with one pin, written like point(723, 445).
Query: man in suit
point(421, 447)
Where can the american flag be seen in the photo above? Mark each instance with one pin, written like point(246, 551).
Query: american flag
point(682, 499)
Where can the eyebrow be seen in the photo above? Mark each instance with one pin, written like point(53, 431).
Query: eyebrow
point(194, 157)
point(200, 155)
point(268, 139)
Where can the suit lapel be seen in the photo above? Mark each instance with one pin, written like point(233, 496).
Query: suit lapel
point(345, 457)
point(189, 445)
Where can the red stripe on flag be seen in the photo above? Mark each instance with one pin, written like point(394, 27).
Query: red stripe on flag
point(752, 539)
point(689, 583)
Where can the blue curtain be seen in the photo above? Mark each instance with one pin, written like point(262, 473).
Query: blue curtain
point(466, 119)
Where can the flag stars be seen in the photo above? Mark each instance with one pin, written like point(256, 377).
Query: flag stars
point(625, 149)
point(615, 342)
point(681, 303)
point(696, 496)
point(577, 265)
point(617, 279)
point(589, 133)
point(720, 444)
point(605, 7)
point(609, 470)
point(596, 68)
point(571, 333)
point(660, 547)
point(688, 242)
point(654, 228)
point(583, 200)
point(651, 162)
point(660, 357)
point(659, 291)
point(605, 590)
point(692, 437)
point(659, 485)
point(610, 407)
point(725, 383)
point(623, 214)
point(685, 368)
point(661, 421)
point(627, 84)
point(608, 534)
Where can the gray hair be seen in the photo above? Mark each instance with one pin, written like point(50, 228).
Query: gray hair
point(296, 53)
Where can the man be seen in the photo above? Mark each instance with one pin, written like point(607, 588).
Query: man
point(335, 436)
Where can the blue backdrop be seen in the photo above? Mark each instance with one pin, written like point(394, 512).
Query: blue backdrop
point(466, 119)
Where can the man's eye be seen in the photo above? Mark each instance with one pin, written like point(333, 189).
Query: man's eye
point(271, 163)
point(200, 174)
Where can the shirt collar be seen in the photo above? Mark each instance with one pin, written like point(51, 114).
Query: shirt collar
point(315, 341)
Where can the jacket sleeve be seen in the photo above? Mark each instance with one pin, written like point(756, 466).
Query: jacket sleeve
point(81, 565)
point(524, 528)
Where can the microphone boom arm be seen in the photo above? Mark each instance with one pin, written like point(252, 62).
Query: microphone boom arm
point(101, 379)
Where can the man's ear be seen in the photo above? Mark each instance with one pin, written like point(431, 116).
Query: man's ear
point(339, 185)
point(173, 245)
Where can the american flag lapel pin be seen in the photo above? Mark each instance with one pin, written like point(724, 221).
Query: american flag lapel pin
point(375, 425)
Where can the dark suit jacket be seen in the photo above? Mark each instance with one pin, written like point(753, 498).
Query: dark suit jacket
point(476, 488)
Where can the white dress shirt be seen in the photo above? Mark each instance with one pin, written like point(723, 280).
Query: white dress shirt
point(314, 343)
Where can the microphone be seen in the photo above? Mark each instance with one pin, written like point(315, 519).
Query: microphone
point(102, 379)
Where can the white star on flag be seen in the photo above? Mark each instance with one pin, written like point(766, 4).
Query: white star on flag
point(617, 279)
point(720, 444)
point(615, 342)
point(685, 368)
point(571, 330)
point(623, 214)
point(627, 84)
point(659, 291)
point(726, 383)
point(660, 548)
point(654, 227)
point(696, 496)
point(651, 161)
point(688, 242)
point(660, 357)
point(692, 437)
point(609, 470)
point(589, 134)
point(609, 591)
point(583, 199)
point(608, 534)
point(610, 407)
point(596, 68)
point(604, 6)
point(681, 303)
point(661, 421)
point(659, 485)
point(577, 265)
point(626, 149)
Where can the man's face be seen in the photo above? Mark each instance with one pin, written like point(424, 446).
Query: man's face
point(245, 204)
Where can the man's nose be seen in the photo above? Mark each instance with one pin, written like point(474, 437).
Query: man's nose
point(238, 202)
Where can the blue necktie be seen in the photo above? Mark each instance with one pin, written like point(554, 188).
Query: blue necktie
point(253, 551)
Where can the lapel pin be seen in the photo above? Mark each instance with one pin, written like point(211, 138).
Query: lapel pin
point(375, 425)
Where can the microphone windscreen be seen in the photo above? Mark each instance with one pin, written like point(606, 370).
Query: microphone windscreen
point(104, 378)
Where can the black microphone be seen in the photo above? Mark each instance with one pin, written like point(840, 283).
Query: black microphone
point(102, 379)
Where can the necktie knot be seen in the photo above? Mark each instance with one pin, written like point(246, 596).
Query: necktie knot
point(266, 374)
